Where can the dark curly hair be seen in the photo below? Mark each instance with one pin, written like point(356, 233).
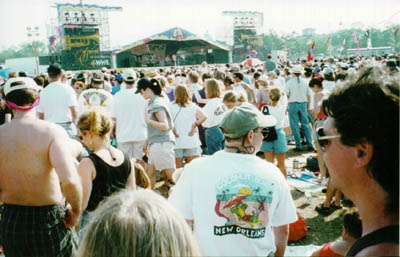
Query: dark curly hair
point(367, 108)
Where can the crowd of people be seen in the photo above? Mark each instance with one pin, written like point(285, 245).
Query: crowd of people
point(81, 155)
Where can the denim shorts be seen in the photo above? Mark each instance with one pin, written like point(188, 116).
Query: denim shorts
point(183, 152)
point(277, 146)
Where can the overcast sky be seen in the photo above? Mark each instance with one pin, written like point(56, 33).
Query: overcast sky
point(140, 19)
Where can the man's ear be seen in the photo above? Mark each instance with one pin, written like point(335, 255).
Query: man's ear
point(249, 136)
point(363, 153)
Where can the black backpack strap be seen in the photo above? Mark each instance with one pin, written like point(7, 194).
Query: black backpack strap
point(389, 234)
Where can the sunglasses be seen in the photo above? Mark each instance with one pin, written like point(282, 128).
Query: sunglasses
point(322, 139)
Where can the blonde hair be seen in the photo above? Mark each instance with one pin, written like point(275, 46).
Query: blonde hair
point(194, 76)
point(141, 177)
point(96, 122)
point(137, 223)
point(163, 81)
point(182, 95)
point(242, 97)
point(213, 89)
point(230, 97)
point(274, 94)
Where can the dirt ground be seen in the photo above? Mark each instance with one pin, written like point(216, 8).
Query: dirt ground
point(321, 228)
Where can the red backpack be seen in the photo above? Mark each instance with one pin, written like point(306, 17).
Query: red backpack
point(298, 229)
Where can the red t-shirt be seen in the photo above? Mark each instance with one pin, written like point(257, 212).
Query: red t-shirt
point(327, 251)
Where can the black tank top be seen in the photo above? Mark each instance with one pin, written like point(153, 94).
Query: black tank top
point(389, 234)
point(109, 179)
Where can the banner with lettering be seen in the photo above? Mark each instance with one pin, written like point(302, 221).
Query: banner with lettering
point(81, 49)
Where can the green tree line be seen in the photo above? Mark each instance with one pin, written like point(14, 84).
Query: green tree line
point(23, 50)
point(297, 45)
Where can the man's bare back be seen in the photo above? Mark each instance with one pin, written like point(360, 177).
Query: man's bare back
point(28, 148)
point(38, 174)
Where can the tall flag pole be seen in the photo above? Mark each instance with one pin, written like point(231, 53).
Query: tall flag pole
point(329, 45)
point(357, 43)
point(369, 43)
point(343, 45)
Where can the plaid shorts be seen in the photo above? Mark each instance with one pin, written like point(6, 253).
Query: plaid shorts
point(35, 231)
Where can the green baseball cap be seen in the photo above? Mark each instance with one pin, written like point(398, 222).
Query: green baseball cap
point(241, 119)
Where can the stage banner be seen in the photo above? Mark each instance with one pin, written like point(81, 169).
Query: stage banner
point(82, 49)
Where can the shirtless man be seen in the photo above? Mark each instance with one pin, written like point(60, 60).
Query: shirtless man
point(38, 172)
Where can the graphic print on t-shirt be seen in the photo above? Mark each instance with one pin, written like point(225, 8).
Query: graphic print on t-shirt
point(220, 110)
point(243, 200)
point(95, 98)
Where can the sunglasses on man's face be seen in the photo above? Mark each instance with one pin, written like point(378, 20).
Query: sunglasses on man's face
point(322, 139)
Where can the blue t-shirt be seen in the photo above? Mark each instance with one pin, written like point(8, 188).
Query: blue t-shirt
point(115, 89)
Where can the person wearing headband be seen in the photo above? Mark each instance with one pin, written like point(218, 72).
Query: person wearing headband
point(39, 179)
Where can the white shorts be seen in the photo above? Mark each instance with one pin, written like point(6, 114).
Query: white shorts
point(132, 149)
point(162, 155)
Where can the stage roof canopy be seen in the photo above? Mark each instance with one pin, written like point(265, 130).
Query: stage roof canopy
point(184, 38)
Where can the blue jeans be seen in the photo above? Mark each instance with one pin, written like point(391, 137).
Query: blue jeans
point(214, 140)
point(299, 111)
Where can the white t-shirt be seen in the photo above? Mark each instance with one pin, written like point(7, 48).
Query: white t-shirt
point(122, 86)
point(183, 118)
point(193, 88)
point(278, 112)
point(215, 110)
point(234, 200)
point(328, 85)
point(283, 83)
point(203, 69)
point(107, 86)
point(238, 88)
point(297, 91)
point(95, 97)
point(277, 83)
point(129, 110)
point(55, 102)
point(178, 80)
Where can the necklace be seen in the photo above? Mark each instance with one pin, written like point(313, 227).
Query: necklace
point(110, 150)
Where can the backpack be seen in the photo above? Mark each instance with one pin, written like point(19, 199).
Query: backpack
point(312, 164)
point(298, 229)
point(272, 136)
